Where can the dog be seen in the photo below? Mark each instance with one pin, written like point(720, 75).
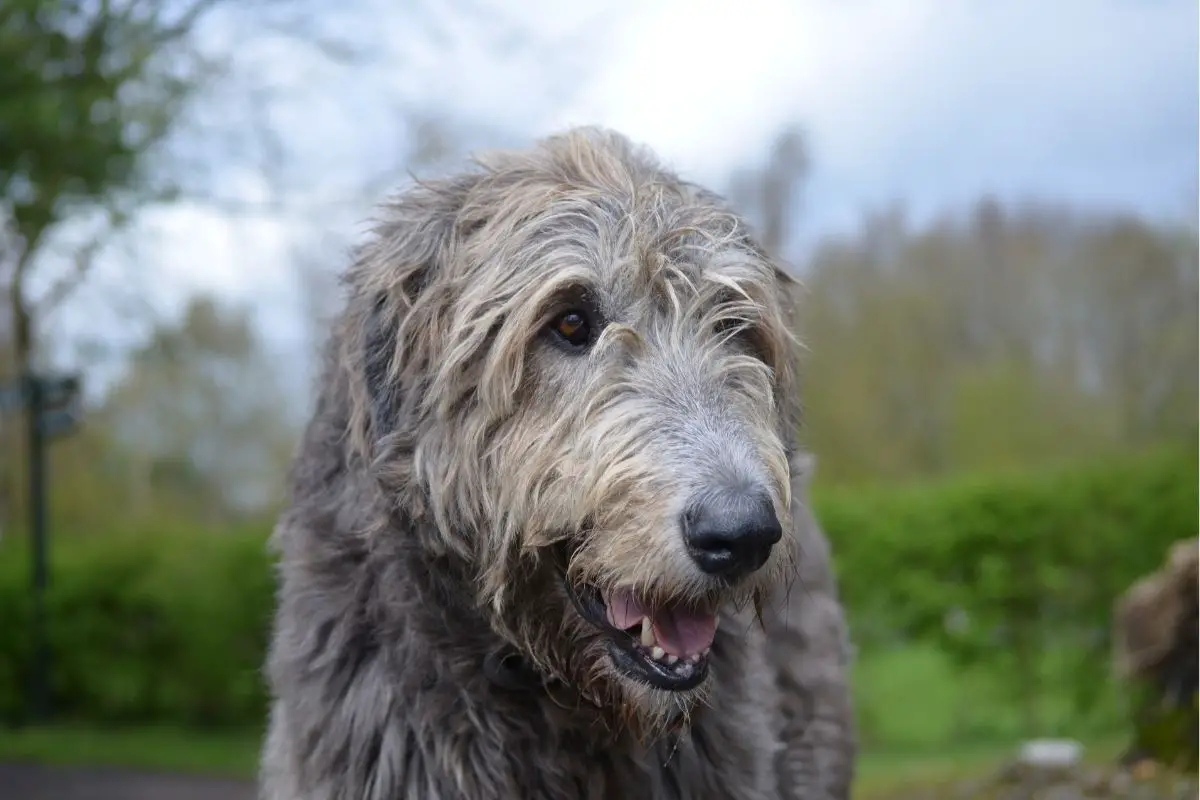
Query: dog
point(548, 534)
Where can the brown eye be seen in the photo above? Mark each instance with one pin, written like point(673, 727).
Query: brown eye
point(573, 328)
point(741, 332)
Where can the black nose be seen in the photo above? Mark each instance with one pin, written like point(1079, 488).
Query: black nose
point(731, 533)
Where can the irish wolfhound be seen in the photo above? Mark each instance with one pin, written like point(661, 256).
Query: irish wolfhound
point(554, 446)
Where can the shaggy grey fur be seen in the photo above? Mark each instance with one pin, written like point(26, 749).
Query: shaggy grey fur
point(465, 474)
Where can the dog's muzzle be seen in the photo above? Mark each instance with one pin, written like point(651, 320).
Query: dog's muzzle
point(665, 647)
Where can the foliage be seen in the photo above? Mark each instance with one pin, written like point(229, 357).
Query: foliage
point(199, 427)
point(79, 104)
point(1166, 733)
point(1000, 338)
point(1017, 572)
point(87, 93)
point(992, 336)
point(201, 417)
point(166, 625)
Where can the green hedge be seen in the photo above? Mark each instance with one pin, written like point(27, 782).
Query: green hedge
point(172, 626)
point(1028, 565)
point(169, 627)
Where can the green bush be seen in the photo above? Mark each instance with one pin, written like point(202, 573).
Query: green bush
point(167, 627)
point(171, 626)
point(1030, 565)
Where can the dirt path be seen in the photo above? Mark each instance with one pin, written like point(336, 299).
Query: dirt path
point(31, 782)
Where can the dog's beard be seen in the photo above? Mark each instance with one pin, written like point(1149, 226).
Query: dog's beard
point(651, 714)
point(627, 704)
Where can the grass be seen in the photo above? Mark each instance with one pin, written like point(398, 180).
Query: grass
point(234, 754)
point(881, 776)
point(914, 700)
point(231, 754)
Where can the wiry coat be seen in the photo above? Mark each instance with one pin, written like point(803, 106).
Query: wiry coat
point(423, 647)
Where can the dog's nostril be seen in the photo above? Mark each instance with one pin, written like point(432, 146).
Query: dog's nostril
point(731, 533)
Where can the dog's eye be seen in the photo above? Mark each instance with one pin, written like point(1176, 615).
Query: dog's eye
point(727, 326)
point(573, 328)
point(747, 335)
point(734, 328)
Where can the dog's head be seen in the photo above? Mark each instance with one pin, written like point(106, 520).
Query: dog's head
point(579, 370)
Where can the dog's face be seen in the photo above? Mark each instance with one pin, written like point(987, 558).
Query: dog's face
point(589, 391)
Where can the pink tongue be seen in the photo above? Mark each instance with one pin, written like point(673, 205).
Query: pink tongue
point(680, 631)
point(684, 632)
point(624, 611)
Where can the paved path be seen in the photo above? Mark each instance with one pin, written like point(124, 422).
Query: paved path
point(30, 782)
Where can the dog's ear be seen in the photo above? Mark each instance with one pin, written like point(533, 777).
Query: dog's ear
point(378, 354)
point(399, 287)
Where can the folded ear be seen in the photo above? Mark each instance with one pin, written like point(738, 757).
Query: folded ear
point(399, 297)
point(378, 355)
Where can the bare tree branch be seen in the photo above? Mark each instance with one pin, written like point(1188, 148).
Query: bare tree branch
point(83, 259)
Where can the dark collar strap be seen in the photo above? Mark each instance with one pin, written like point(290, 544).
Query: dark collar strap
point(508, 669)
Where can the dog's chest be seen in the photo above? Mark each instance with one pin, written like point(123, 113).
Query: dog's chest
point(727, 752)
point(717, 758)
point(708, 761)
point(712, 760)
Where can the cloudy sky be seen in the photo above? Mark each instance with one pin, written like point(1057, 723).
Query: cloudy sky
point(926, 101)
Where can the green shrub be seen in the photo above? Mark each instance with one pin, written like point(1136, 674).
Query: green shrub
point(1029, 563)
point(165, 627)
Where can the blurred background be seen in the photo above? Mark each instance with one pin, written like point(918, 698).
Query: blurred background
point(992, 206)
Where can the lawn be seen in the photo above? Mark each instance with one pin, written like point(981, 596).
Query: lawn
point(231, 754)
point(885, 776)
point(234, 754)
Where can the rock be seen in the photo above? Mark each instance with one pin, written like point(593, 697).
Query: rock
point(1051, 753)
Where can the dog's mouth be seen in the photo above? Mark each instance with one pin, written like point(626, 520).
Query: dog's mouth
point(665, 646)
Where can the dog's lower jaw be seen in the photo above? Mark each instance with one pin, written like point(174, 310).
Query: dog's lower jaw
point(637, 665)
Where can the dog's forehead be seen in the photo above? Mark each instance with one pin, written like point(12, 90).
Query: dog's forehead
point(589, 208)
point(642, 278)
point(658, 235)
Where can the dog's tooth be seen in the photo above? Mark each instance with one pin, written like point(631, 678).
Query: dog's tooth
point(648, 639)
point(658, 653)
point(672, 658)
point(706, 651)
point(694, 658)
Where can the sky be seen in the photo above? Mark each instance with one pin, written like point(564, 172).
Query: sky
point(928, 102)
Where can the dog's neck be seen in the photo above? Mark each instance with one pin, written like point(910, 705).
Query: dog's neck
point(446, 582)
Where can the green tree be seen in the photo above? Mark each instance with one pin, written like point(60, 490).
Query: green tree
point(88, 93)
point(1005, 337)
point(89, 90)
point(199, 418)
